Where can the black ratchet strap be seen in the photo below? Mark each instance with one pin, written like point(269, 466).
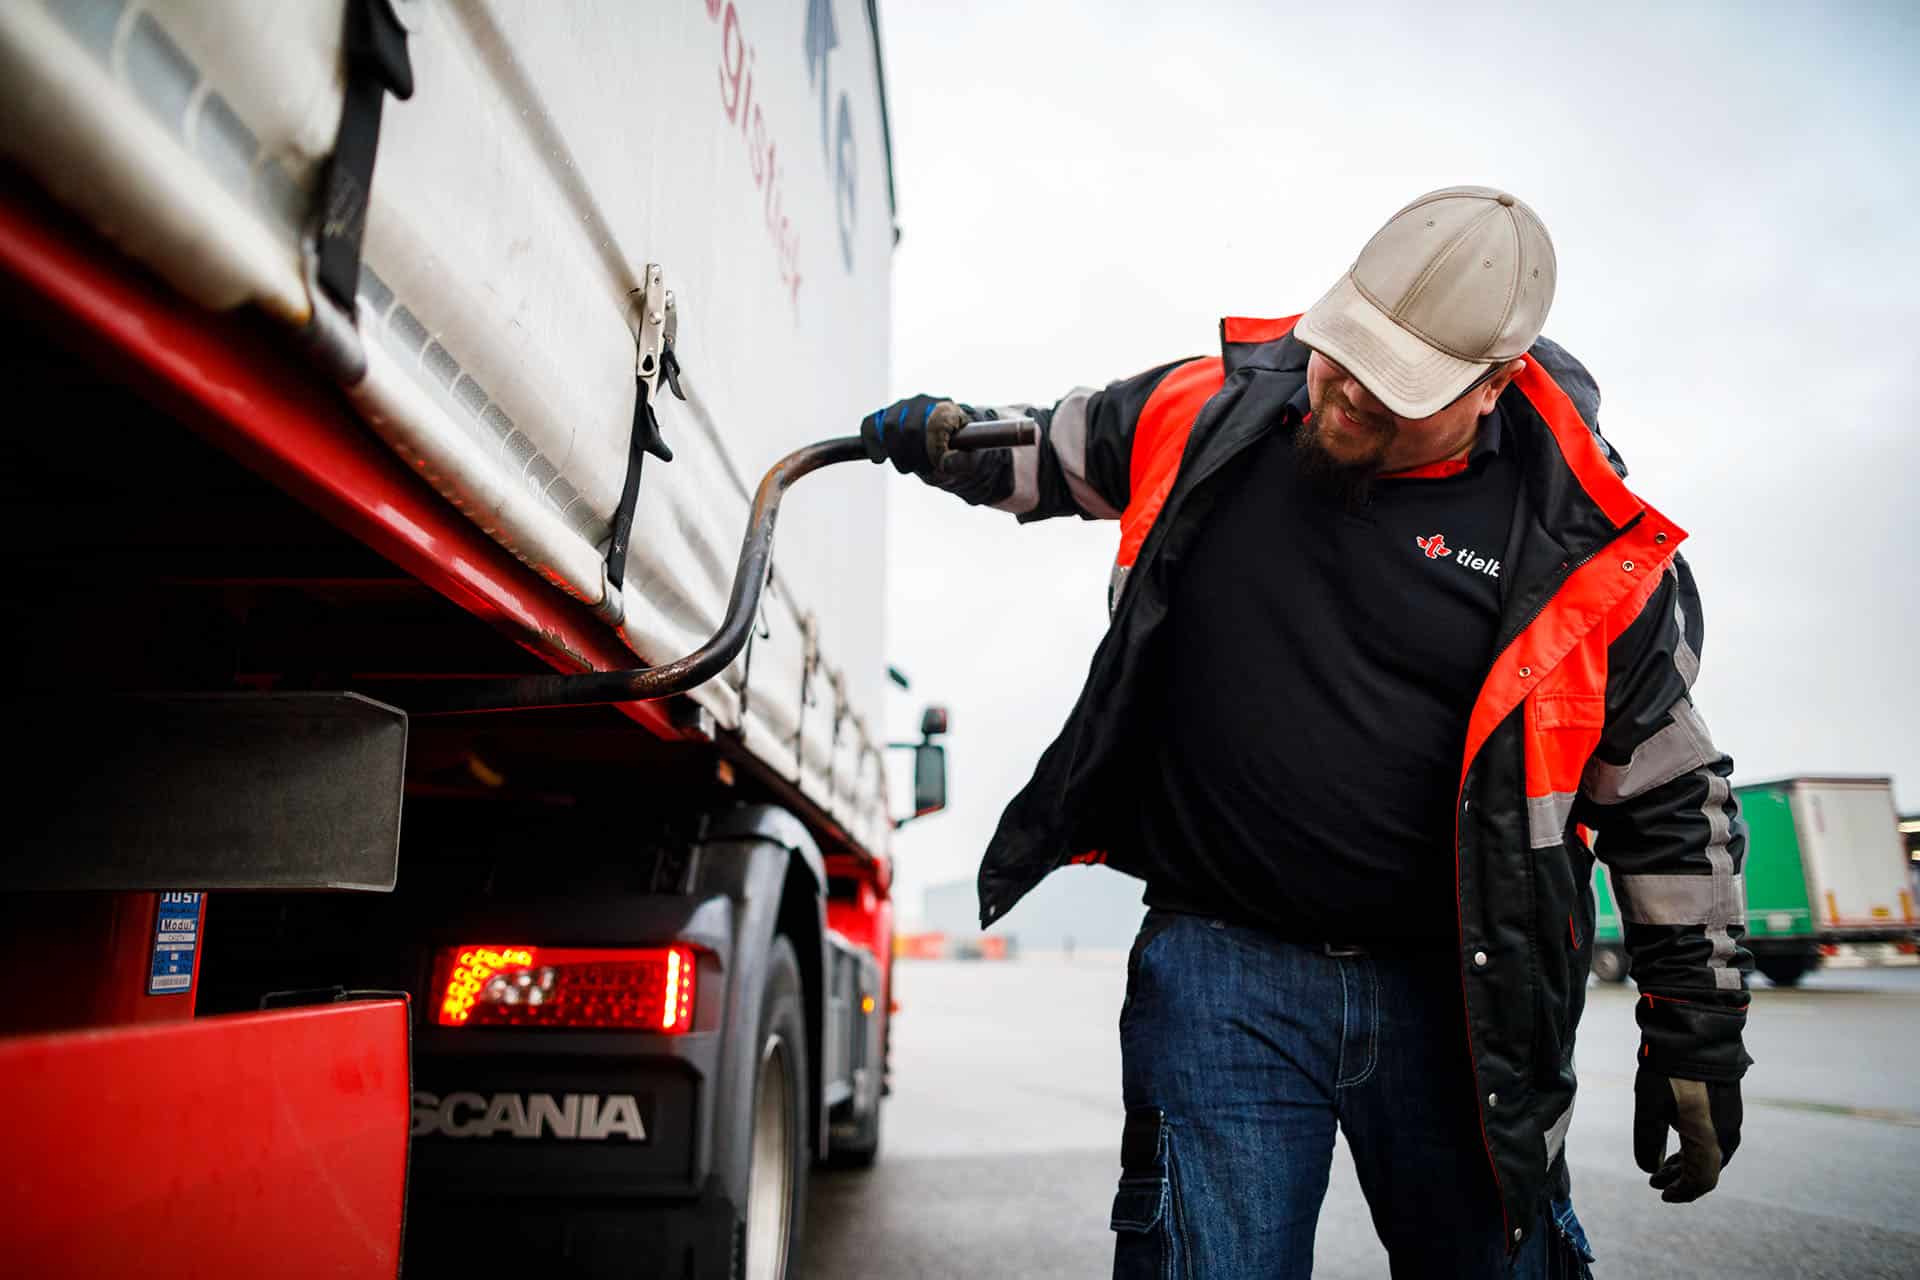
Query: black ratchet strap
point(645, 439)
point(375, 45)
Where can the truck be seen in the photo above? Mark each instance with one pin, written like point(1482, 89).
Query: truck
point(431, 842)
point(1826, 867)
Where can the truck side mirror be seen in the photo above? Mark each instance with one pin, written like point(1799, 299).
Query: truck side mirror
point(929, 779)
point(929, 766)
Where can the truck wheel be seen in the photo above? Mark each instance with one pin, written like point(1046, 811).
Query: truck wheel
point(777, 1172)
point(1784, 971)
point(1610, 964)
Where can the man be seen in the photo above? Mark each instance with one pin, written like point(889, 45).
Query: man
point(1389, 637)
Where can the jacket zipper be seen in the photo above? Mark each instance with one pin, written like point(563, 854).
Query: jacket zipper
point(1459, 908)
point(1567, 571)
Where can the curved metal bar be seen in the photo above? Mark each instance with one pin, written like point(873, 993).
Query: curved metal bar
point(648, 684)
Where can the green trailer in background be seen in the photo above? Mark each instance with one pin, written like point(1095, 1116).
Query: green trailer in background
point(1826, 864)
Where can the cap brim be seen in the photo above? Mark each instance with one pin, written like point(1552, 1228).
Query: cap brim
point(1399, 368)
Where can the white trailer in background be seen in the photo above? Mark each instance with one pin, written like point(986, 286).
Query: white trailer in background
point(1826, 874)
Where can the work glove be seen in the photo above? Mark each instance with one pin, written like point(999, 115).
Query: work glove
point(913, 434)
point(1707, 1115)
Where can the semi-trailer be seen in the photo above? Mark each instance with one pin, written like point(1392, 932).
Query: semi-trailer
point(362, 355)
point(1826, 867)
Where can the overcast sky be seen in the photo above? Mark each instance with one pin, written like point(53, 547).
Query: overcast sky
point(1734, 195)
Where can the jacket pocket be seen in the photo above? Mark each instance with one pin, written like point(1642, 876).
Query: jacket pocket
point(1562, 731)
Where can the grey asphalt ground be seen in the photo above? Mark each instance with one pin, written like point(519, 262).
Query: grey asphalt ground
point(1000, 1143)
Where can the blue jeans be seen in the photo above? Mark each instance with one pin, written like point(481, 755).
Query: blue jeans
point(1240, 1053)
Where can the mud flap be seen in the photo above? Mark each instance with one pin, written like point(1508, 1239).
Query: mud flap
point(1146, 1218)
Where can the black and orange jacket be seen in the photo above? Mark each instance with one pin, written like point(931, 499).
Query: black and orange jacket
point(1584, 721)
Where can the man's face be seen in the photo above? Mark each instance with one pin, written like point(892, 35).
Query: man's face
point(1355, 437)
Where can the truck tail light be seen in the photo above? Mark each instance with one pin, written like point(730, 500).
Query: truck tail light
point(500, 985)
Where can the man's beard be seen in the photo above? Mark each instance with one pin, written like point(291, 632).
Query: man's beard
point(1344, 480)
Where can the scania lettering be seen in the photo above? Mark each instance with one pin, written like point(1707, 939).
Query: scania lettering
point(585, 1116)
point(382, 370)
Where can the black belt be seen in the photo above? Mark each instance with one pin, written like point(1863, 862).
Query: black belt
point(1338, 950)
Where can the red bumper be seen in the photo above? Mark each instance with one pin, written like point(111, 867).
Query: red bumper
point(261, 1144)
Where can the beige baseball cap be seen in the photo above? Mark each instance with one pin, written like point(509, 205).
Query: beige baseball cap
point(1457, 282)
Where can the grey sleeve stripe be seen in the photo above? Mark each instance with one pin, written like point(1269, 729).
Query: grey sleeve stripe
point(1685, 660)
point(1556, 1135)
point(1712, 899)
point(1547, 819)
point(1672, 752)
point(1720, 858)
point(1068, 435)
point(1026, 472)
point(1715, 902)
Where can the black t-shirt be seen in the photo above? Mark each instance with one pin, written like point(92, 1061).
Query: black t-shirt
point(1321, 669)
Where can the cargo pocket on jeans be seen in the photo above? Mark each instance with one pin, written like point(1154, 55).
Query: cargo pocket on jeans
point(1570, 1257)
point(1145, 1218)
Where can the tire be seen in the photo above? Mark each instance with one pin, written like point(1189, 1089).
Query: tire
point(1610, 963)
point(1785, 971)
point(779, 1151)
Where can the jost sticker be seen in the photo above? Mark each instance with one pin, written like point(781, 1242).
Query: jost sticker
point(176, 934)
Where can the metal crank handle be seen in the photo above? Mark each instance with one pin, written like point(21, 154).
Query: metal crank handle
point(995, 433)
point(649, 684)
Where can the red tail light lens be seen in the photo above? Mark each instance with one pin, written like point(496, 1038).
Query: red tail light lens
point(497, 985)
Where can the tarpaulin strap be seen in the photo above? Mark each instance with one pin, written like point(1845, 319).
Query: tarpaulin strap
point(376, 54)
point(760, 631)
point(840, 708)
point(809, 663)
point(644, 439)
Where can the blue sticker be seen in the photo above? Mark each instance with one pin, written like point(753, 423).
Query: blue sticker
point(176, 940)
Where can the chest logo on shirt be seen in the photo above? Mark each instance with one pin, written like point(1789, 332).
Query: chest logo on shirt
point(1436, 548)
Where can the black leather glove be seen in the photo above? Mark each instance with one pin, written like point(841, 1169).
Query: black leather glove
point(913, 433)
point(1706, 1113)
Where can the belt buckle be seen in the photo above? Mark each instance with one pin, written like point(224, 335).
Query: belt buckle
point(1342, 951)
